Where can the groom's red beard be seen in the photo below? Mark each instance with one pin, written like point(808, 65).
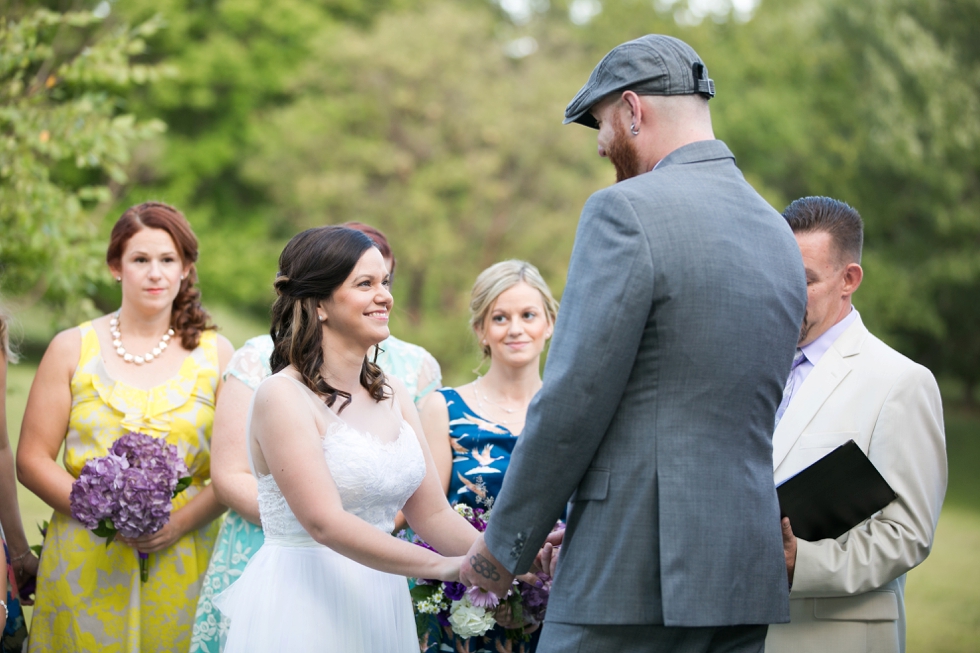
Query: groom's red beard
point(622, 154)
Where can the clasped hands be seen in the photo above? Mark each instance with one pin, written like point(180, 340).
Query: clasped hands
point(482, 569)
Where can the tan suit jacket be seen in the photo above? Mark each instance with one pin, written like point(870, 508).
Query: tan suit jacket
point(848, 593)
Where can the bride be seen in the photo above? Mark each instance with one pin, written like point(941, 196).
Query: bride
point(338, 450)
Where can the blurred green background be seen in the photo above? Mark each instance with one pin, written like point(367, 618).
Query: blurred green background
point(439, 121)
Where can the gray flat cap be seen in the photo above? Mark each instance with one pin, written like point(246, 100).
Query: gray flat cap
point(654, 64)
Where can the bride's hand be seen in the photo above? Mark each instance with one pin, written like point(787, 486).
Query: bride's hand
point(449, 570)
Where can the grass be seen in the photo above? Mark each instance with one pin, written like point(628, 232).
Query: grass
point(942, 594)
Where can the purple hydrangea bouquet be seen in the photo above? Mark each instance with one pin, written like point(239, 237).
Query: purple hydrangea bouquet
point(470, 612)
point(129, 490)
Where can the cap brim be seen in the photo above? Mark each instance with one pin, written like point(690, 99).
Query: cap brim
point(584, 118)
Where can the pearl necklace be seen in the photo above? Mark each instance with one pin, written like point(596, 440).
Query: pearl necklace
point(130, 358)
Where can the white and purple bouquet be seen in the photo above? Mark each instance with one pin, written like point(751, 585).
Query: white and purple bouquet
point(130, 489)
point(471, 612)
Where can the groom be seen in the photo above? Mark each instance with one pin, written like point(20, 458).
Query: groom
point(677, 330)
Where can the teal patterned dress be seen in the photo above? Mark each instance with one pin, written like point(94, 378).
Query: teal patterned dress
point(238, 539)
point(481, 454)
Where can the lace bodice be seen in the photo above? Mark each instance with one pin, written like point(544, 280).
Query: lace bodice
point(375, 480)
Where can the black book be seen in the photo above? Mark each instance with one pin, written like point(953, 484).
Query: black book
point(834, 494)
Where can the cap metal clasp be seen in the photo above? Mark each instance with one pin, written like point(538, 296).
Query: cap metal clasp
point(704, 85)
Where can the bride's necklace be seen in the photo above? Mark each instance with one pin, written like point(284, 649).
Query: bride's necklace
point(130, 358)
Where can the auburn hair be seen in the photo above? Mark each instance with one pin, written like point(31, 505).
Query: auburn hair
point(188, 318)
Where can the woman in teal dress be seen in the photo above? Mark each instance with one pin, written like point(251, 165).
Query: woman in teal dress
point(241, 533)
point(472, 429)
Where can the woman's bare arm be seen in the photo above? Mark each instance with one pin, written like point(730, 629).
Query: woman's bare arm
point(434, 417)
point(290, 443)
point(428, 511)
point(23, 560)
point(45, 423)
point(233, 482)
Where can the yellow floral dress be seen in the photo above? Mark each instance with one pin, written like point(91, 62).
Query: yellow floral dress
point(89, 596)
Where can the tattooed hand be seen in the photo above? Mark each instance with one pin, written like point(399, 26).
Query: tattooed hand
point(480, 568)
point(484, 568)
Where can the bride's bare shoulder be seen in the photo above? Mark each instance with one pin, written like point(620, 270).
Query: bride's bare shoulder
point(278, 388)
point(400, 398)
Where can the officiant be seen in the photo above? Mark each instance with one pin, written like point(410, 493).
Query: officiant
point(848, 594)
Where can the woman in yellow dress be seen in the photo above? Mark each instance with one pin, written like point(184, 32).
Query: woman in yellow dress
point(154, 366)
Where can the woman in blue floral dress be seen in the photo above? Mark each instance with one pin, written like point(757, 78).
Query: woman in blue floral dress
point(472, 429)
point(241, 533)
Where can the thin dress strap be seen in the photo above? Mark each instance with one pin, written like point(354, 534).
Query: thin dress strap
point(248, 420)
point(309, 394)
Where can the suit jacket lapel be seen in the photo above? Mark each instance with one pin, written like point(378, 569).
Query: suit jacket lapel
point(819, 385)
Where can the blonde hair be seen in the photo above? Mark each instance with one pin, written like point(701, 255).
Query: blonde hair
point(496, 280)
point(9, 354)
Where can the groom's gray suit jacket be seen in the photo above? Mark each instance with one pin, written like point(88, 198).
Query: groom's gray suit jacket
point(676, 333)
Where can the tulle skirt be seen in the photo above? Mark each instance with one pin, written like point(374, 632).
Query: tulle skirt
point(311, 598)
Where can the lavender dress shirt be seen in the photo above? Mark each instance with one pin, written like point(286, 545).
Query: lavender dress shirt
point(812, 353)
point(815, 350)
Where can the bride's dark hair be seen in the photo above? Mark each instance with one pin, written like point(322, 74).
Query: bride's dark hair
point(311, 267)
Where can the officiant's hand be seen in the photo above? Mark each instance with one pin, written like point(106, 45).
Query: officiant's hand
point(480, 568)
point(789, 549)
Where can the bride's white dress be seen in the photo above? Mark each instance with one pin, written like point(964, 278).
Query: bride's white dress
point(297, 595)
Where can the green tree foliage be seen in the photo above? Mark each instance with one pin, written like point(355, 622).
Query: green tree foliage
point(440, 122)
point(64, 144)
point(234, 61)
point(917, 90)
point(876, 103)
point(452, 145)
